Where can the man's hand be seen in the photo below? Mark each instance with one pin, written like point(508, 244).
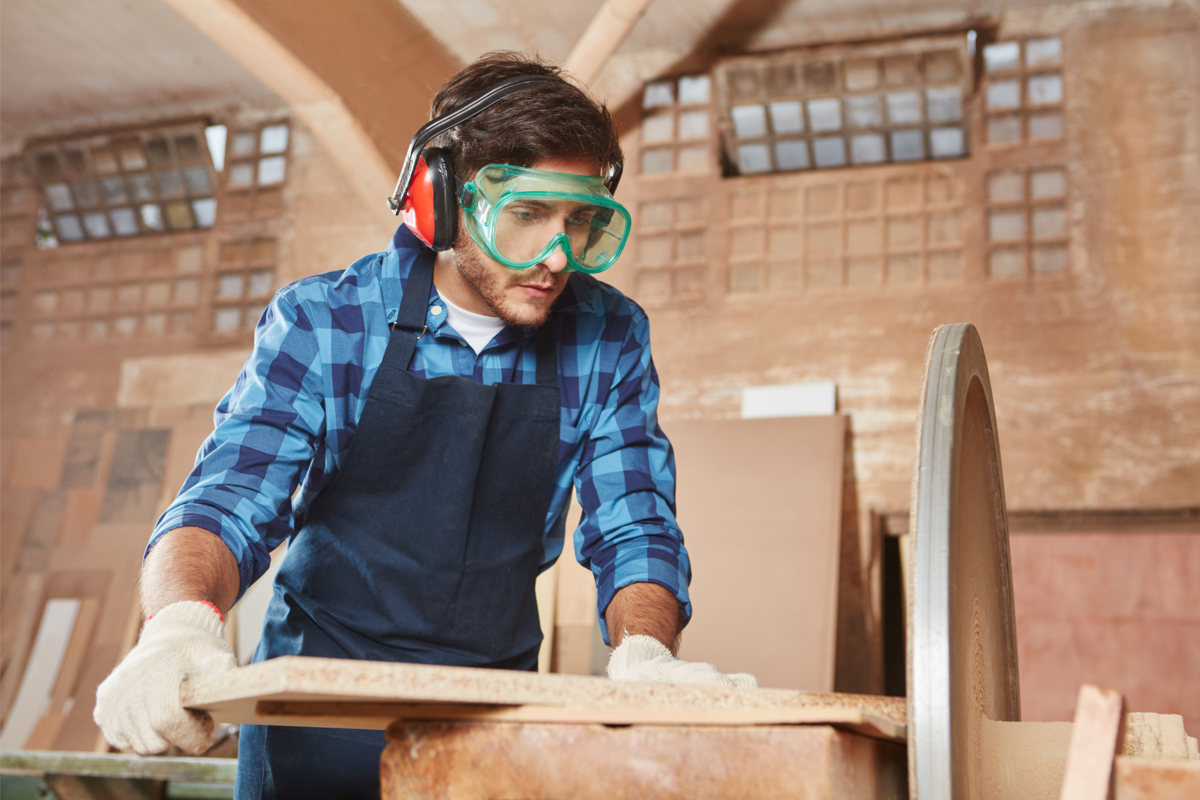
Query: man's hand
point(641, 617)
point(644, 658)
point(137, 706)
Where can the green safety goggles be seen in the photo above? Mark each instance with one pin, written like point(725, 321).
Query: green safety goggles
point(518, 215)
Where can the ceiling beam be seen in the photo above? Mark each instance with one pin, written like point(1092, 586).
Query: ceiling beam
point(359, 77)
point(607, 30)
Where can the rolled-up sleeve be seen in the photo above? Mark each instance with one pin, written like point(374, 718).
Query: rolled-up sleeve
point(626, 480)
point(268, 428)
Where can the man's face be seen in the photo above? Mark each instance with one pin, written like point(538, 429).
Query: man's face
point(522, 296)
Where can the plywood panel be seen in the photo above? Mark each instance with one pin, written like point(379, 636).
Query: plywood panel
point(22, 594)
point(104, 583)
point(578, 647)
point(62, 700)
point(136, 476)
point(54, 633)
point(42, 533)
point(81, 514)
point(110, 573)
point(760, 502)
point(249, 612)
point(296, 690)
point(547, 598)
point(79, 732)
point(16, 512)
point(83, 450)
point(1113, 609)
point(37, 462)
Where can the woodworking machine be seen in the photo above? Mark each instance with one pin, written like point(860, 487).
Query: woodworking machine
point(481, 733)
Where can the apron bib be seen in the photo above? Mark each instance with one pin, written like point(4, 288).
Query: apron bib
point(424, 549)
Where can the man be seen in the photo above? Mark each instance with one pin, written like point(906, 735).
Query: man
point(413, 426)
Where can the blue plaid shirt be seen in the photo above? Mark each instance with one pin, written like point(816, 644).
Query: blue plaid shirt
point(287, 423)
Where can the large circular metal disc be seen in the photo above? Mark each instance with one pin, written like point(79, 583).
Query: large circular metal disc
point(962, 655)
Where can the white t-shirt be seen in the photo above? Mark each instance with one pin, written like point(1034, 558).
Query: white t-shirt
point(477, 329)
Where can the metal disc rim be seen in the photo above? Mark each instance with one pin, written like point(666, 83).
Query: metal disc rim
point(953, 360)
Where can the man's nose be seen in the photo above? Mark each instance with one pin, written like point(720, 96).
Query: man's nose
point(556, 261)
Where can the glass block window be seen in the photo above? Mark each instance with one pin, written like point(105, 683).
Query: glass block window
point(117, 292)
point(1027, 222)
point(1023, 91)
point(124, 185)
point(243, 284)
point(18, 215)
point(676, 126)
point(255, 169)
point(813, 234)
point(816, 110)
point(257, 157)
point(672, 247)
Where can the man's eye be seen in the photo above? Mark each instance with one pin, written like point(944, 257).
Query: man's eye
point(524, 214)
point(579, 220)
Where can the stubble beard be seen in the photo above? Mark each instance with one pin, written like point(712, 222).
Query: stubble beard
point(468, 259)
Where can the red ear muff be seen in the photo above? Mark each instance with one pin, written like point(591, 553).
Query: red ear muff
point(417, 211)
point(430, 210)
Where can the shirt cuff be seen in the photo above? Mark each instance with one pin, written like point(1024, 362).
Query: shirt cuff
point(216, 521)
point(645, 561)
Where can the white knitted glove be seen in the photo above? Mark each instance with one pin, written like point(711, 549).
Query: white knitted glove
point(137, 706)
point(644, 658)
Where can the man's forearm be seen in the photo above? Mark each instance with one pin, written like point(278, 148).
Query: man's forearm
point(648, 609)
point(189, 564)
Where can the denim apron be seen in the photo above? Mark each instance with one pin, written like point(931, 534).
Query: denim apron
point(424, 549)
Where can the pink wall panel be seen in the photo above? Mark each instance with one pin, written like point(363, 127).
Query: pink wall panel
point(1120, 610)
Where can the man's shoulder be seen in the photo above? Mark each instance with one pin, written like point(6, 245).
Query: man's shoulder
point(337, 283)
point(340, 300)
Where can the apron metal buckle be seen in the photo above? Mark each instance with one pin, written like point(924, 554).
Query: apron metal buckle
point(424, 328)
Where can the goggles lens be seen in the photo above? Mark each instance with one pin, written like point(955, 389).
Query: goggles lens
point(519, 216)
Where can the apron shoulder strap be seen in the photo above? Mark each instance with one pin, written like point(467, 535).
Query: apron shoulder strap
point(410, 322)
point(547, 354)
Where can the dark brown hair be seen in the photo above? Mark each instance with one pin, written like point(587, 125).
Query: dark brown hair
point(547, 120)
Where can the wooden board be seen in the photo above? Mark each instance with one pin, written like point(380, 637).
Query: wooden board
point(295, 690)
point(62, 700)
point(1155, 779)
point(37, 682)
point(594, 762)
point(760, 507)
point(1095, 740)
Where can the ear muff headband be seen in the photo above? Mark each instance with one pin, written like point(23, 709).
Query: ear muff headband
point(440, 125)
point(425, 189)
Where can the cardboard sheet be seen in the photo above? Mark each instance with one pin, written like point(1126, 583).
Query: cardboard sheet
point(760, 501)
